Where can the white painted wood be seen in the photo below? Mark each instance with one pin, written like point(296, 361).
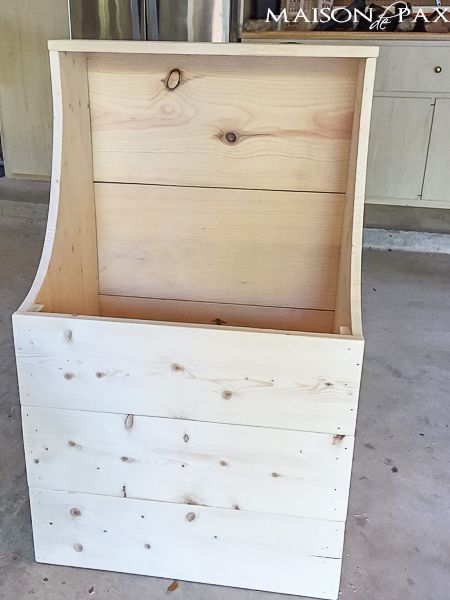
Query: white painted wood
point(436, 186)
point(406, 69)
point(222, 546)
point(201, 48)
point(173, 460)
point(293, 381)
point(25, 90)
point(399, 136)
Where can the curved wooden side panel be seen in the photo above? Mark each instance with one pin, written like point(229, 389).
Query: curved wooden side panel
point(67, 277)
point(348, 298)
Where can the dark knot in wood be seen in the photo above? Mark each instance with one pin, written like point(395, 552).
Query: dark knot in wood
point(173, 79)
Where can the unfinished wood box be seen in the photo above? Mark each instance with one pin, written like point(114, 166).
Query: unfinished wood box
point(189, 355)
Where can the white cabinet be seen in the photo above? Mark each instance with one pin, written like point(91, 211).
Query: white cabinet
point(399, 134)
point(436, 186)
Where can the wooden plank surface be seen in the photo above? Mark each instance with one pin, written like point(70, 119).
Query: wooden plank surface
point(294, 381)
point(188, 462)
point(67, 277)
point(221, 546)
point(230, 246)
point(348, 297)
point(214, 313)
point(289, 134)
point(208, 49)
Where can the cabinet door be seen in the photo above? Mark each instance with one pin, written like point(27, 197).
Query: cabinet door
point(399, 137)
point(436, 186)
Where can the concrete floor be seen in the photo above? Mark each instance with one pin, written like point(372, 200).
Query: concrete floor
point(397, 544)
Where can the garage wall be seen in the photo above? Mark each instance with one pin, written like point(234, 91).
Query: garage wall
point(25, 90)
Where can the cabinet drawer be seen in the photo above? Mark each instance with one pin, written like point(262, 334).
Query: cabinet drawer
point(413, 69)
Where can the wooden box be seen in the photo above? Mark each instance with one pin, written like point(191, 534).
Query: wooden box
point(189, 354)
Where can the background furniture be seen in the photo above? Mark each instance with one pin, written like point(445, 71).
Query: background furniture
point(25, 89)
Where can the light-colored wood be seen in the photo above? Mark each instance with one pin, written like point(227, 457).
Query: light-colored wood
point(348, 300)
point(243, 376)
point(398, 147)
point(231, 246)
point(436, 183)
point(143, 132)
point(404, 81)
point(67, 277)
point(205, 49)
point(173, 460)
point(133, 425)
point(25, 89)
point(210, 313)
point(231, 547)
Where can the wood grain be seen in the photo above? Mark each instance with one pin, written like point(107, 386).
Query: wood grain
point(348, 299)
point(290, 135)
point(227, 547)
point(203, 49)
point(214, 313)
point(231, 246)
point(188, 462)
point(307, 382)
point(67, 276)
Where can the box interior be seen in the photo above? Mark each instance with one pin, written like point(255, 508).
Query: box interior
point(214, 190)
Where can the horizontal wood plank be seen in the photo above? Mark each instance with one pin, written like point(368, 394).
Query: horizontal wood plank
point(200, 49)
point(292, 381)
point(172, 460)
point(230, 246)
point(208, 545)
point(214, 313)
point(286, 133)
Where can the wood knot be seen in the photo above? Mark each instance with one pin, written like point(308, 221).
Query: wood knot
point(78, 547)
point(176, 368)
point(226, 394)
point(173, 79)
point(231, 137)
point(186, 438)
point(190, 516)
point(338, 438)
point(75, 512)
point(68, 376)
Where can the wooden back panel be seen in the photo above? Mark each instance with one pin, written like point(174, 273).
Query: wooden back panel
point(262, 248)
point(289, 120)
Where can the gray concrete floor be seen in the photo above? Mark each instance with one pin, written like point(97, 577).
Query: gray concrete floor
point(397, 544)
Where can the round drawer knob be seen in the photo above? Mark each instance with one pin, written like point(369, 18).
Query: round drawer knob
point(438, 69)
